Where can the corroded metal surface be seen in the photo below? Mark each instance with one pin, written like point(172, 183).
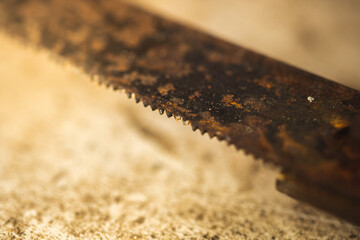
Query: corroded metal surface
point(307, 125)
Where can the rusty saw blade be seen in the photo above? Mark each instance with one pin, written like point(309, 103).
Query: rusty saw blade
point(307, 125)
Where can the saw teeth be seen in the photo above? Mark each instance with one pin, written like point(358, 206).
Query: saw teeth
point(137, 99)
point(185, 123)
point(220, 138)
point(194, 127)
point(161, 111)
point(153, 108)
point(145, 104)
point(219, 135)
point(168, 114)
point(177, 117)
point(203, 131)
point(211, 135)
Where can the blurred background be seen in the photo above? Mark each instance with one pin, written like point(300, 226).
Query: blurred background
point(78, 160)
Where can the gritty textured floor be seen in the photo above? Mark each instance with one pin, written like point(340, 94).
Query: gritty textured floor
point(78, 161)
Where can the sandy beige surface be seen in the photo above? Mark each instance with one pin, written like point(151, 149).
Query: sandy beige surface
point(78, 161)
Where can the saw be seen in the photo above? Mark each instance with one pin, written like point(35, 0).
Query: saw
point(306, 125)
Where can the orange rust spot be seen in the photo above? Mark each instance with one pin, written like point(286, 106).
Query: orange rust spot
point(195, 95)
point(339, 123)
point(211, 122)
point(264, 82)
point(164, 90)
point(229, 101)
point(174, 107)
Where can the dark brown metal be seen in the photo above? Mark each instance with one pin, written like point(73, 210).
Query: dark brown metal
point(307, 125)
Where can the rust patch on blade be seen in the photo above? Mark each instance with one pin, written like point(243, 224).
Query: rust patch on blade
point(164, 90)
point(229, 101)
